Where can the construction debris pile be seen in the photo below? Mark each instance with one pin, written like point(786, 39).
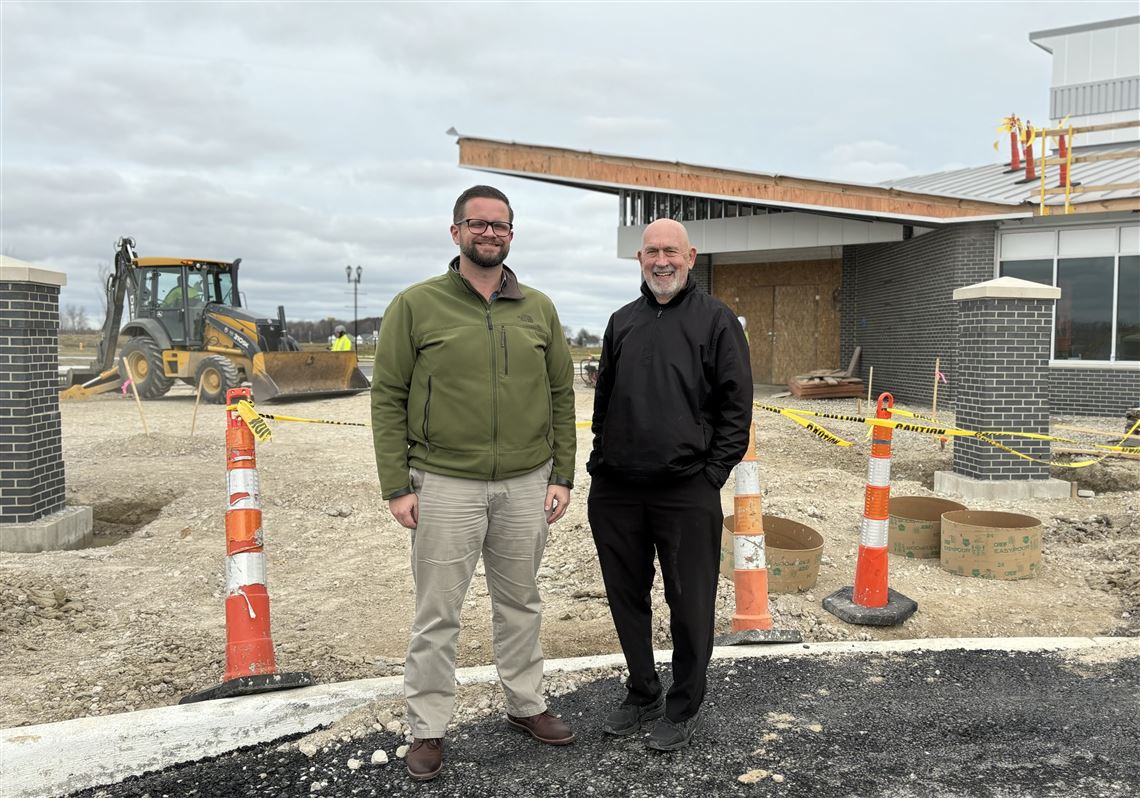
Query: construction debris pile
point(829, 383)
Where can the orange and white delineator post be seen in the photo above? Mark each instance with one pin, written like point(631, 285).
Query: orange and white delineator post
point(871, 565)
point(250, 662)
point(249, 647)
point(871, 600)
point(752, 622)
point(750, 576)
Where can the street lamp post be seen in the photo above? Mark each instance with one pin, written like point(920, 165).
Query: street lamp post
point(355, 285)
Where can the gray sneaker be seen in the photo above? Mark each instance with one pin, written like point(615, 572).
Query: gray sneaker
point(628, 718)
point(671, 735)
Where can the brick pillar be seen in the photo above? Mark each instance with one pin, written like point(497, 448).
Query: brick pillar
point(1003, 384)
point(32, 512)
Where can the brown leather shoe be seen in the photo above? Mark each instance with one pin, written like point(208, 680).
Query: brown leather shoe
point(425, 758)
point(544, 727)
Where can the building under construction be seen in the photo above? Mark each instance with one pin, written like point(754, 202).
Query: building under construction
point(820, 268)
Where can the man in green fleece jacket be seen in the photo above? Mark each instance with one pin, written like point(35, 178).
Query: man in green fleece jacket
point(473, 422)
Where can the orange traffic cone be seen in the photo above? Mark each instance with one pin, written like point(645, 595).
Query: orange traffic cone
point(752, 622)
point(870, 601)
point(250, 663)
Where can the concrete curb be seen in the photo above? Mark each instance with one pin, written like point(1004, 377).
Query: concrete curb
point(57, 758)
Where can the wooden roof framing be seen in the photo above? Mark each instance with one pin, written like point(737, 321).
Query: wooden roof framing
point(612, 173)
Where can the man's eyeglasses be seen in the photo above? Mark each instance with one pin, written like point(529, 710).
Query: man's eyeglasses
point(479, 226)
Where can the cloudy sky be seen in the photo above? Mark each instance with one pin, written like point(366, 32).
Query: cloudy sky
point(303, 137)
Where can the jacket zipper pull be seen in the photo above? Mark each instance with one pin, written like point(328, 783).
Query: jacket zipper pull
point(659, 312)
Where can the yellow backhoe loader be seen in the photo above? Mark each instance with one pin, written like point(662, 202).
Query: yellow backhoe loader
point(186, 323)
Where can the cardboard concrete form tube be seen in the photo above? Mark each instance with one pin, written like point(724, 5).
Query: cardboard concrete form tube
point(915, 530)
point(991, 545)
point(793, 552)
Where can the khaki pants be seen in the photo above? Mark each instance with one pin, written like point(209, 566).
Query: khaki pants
point(459, 519)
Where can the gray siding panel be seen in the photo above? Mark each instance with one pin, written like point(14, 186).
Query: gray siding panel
point(1098, 97)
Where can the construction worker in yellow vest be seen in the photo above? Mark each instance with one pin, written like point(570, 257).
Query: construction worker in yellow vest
point(342, 343)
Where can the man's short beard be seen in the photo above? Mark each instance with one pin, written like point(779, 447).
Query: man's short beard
point(472, 254)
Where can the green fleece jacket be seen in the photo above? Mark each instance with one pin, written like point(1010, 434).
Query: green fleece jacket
point(471, 389)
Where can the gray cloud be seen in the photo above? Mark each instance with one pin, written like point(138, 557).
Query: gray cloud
point(302, 137)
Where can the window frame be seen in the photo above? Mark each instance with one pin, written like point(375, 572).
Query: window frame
point(1116, 254)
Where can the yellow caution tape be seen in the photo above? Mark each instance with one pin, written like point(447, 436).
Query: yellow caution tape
point(316, 420)
point(874, 422)
point(1120, 447)
point(985, 436)
point(254, 421)
point(997, 433)
point(1051, 463)
point(818, 431)
point(278, 417)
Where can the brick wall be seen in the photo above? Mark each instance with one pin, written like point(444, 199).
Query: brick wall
point(702, 273)
point(1093, 392)
point(897, 305)
point(31, 458)
point(1003, 358)
point(847, 306)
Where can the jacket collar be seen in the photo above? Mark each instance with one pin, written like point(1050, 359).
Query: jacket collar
point(651, 300)
point(508, 289)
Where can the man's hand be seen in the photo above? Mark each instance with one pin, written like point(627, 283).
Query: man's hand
point(557, 500)
point(406, 509)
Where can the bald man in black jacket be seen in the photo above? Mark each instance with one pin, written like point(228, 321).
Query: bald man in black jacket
point(671, 414)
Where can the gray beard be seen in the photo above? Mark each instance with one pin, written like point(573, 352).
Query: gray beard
point(472, 254)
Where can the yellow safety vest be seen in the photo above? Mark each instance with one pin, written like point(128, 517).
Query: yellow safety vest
point(342, 344)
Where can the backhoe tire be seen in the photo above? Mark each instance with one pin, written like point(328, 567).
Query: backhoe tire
point(217, 374)
point(144, 357)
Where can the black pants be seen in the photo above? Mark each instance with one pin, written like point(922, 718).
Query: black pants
point(681, 521)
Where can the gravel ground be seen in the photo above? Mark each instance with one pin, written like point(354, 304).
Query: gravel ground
point(137, 621)
point(952, 724)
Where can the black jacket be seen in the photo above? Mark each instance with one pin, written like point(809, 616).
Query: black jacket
point(674, 393)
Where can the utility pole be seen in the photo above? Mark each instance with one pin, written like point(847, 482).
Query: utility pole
point(355, 285)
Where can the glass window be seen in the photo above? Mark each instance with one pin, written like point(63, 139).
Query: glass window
point(225, 285)
point(1084, 311)
point(1036, 271)
point(1128, 309)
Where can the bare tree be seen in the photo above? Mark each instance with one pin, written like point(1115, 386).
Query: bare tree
point(103, 269)
point(67, 319)
point(73, 319)
point(586, 338)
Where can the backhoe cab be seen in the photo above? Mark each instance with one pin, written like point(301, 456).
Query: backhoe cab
point(186, 323)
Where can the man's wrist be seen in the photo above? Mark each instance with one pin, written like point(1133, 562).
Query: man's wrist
point(561, 482)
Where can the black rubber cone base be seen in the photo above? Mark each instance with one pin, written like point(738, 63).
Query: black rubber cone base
point(248, 685)
point(841, 604)
point(747, 637)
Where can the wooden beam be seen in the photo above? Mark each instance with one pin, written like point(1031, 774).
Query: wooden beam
point(1064, 131)
point(1121, 155)
point(570, 166)
point(1089, 189)
point(1101, 206)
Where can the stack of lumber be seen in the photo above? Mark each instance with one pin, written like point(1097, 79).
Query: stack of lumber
point(828, 383)
point(825, 385)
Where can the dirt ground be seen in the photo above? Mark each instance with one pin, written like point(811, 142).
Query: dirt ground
point(136, 621)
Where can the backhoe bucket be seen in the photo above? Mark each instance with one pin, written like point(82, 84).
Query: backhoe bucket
point(298, 375)
point(85, 383)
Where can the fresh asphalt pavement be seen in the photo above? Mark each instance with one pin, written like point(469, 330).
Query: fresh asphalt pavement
point(921, 724)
